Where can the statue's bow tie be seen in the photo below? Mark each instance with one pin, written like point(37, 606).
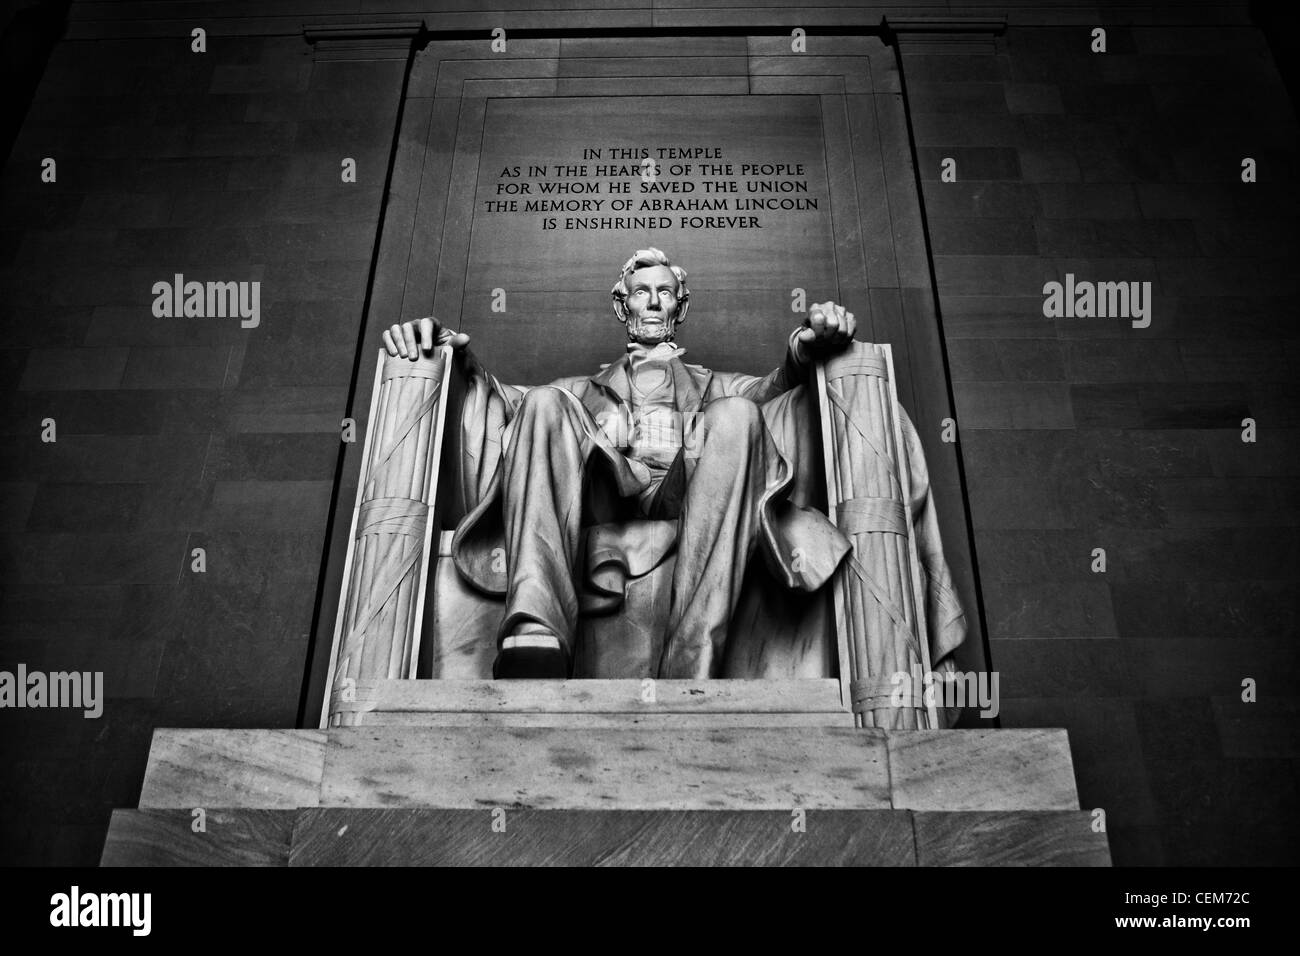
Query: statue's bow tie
point(662, 352)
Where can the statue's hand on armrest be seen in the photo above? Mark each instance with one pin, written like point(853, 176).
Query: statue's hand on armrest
point(410, 339)
point(827, 329)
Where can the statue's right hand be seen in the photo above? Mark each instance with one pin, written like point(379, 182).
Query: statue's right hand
point(411, 339)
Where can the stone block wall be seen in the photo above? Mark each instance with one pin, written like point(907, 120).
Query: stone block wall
point(1085, 433)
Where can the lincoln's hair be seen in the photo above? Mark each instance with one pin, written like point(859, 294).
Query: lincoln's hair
point(644, 259)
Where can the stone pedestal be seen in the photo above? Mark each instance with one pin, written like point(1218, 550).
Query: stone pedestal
point(582, 773)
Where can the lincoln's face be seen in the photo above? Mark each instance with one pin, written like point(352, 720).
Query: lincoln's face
point(652, 305)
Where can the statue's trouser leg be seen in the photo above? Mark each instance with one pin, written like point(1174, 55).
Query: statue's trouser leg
point(726, 464)
point(544, 465)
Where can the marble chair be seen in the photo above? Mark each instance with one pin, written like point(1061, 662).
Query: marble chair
point(406, 613)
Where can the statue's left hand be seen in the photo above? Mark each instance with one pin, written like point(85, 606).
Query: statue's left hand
point(828, 328)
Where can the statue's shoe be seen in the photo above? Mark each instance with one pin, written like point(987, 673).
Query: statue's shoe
point(532, 651)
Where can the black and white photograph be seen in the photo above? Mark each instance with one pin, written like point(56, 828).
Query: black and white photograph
point(650, 433)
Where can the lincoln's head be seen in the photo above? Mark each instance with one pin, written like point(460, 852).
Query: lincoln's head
point(651, 297)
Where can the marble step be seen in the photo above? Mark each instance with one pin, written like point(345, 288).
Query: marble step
point(602, 768)
point(582, 703)
point(335, 836)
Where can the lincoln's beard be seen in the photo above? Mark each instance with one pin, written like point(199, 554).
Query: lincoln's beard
point(660, 329)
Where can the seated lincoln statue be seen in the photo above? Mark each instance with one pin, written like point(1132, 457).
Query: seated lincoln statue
point(721, 459)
